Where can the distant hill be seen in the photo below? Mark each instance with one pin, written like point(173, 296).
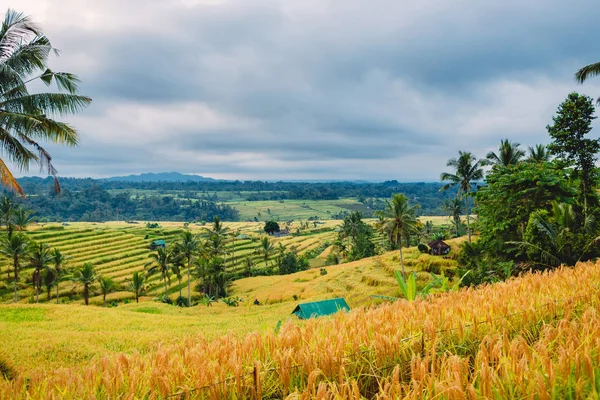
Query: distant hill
point(161, 177)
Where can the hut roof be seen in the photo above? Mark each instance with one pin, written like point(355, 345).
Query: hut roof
point(320, 308)
point(159, 242)
point(438, 244)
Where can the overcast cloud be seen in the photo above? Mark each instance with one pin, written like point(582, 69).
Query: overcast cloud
point(312, 89)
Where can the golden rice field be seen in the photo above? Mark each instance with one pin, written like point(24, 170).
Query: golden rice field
point(537, 336)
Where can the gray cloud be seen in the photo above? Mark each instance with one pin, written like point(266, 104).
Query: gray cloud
point(309, 88)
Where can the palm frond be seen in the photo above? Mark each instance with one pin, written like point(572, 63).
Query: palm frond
point(587, 72)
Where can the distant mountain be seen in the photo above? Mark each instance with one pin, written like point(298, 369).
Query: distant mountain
point(161, 177)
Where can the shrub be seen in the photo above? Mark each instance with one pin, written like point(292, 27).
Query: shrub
point(166, 299)
point(6, 370)
point(182, 301)
point(323, 271)
point(423, 248)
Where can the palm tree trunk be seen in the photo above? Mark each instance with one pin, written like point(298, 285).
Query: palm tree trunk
point(57, 292)
point(104, 299)
point(166, 287)
point(16, 267)
point(233, 253)
point(468, 217)
point(189, 283)
point(37, 293)
point(86, 294)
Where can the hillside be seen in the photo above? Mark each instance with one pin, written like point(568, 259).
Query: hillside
point(160, 177)
point(533, 334)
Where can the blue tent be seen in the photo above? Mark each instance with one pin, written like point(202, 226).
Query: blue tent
point(320, 308)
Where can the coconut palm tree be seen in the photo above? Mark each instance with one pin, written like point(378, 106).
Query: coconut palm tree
point(586, 72)
point(467, 169)
point(22, 218)
point(24, 120)
point(508, 154)
point(7, 209)
point(454, 209)
point(266, 249)
point(16, 248)
point(161, 263)
point(137, 285)
point(107, 285)
point(60, 272)
point(40, 260)
point(188, 246)
point(400, 220)
point(86, 276)
point(538, 153)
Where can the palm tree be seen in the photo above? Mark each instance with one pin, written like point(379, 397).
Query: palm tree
point(400, 220)
point(16, 248)
point(22, 218)
point(161, 262)
point(538, 153)
point(86, 276)
point(24, 116)
point(217, 227)
point(586, 72)
point(137, 285)
point(7, 209)
point(40, 260)
point(508, 154)
point(59, 260)
point(188, 245)
point(177, 268)
point(266, 249)
point(467, 169)
point(248, 265)
point(107, 285)
point(454, 209)
point(233, 235)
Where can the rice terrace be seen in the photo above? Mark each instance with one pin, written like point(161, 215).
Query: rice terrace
point(386, 200)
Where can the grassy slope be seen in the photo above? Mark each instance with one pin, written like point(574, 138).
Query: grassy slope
point(66, 328)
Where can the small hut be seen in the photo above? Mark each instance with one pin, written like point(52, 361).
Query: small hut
point(439, 247)
point(320, 308)
point(158, 243)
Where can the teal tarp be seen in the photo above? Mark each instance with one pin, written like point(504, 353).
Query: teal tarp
point(320, 308)
point(159, 242)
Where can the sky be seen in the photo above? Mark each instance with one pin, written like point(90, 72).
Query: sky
point(311, 89)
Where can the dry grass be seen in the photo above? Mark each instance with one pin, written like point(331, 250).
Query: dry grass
point(532, 337)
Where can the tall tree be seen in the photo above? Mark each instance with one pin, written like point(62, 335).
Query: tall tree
point(188, 246)
point(454, 209)
point(467, 169)
point(266, 249)
point(24, 120)
point(161, 262)
point(508, 154)
point(16, 248)
point(40, 260)
point(571, 146)
point(86, 276)
point(400, 220)
point(60, 272)
point(538, 153)
point(22, 218)
point(138, 285)
point(107, 285)
point(589, 71)
point(7, 210)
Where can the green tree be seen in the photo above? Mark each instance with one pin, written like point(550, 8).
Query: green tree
point(271, 227)
point(266, 249)
point(572, 148)
point(467, 169)
point(22, 218)
point(538, 153)
point(16, 248)
point(60, 272)
point(508, 154)
point(86, 276)
point(188, 246)
point(137, 285)
point(23, 115)
point(589, 71)
point(400, 220)
point(40, 260)
point(161, 262)
point(7, 209)
point(107, 285)
point(454, 209)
